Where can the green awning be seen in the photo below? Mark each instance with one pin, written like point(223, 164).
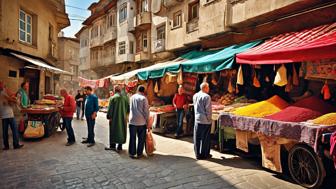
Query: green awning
point(172, 66)
point(223, 59)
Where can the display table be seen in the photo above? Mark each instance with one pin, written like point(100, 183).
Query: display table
point(48, 115)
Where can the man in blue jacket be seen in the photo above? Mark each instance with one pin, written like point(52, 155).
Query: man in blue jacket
point(91, 109)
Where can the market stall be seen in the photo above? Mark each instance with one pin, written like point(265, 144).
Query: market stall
point(45, 114)
point(295, 73)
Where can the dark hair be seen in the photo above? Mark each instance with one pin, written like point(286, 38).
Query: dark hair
point(23, 84)
point(88, 88)
point(141, 89)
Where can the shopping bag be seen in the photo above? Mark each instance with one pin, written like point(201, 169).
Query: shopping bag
point(35, 129)
point(150, 143)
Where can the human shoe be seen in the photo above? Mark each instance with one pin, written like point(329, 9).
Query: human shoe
point(69, 143)
point(19, 146)
point(110, 148)
point(5, 148)
point(133, 157)
point(90, 145)
point(85, 141)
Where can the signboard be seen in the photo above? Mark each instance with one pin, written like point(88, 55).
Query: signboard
point(321, 69)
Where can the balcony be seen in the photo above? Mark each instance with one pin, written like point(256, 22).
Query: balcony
point(142, 56)
point(109, 60)
point(171, 3)
point(110, 34)
point(159, 45)
point(143, 20)
point(192, 25)
point(96, 42)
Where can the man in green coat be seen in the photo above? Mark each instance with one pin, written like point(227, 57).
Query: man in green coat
point(117, 115)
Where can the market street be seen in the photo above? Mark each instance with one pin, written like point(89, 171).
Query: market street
point(50, 164)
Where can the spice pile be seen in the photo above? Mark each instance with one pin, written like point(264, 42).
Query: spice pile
point(263, 108)
point(226, 99)
point(327, 119)
point(294, 114)
point(303, 110)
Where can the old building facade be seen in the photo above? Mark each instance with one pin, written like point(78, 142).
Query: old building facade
point(68, 60)
point(28, 37)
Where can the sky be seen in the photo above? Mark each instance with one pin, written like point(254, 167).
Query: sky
point(77, 12)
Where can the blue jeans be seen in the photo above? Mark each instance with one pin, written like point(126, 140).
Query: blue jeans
point(10, 122)
point(141, 132)
point(90, 124)
point(68, 126)
point(202, 140)
point(180, 114)
point(78, 111)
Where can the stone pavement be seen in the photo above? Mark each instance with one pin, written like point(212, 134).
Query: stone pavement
point(49, 164)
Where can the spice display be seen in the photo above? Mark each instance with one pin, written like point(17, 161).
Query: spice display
point(316, 104)
point(263, 108)
point(226, 99)
point(294, 114)
point(327, 119)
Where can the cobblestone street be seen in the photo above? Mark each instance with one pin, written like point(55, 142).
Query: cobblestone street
point(49, 164)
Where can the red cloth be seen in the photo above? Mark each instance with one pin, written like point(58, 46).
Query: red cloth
point(333, 147)
point(311, 44)
point(69, 107)
point(180, 101)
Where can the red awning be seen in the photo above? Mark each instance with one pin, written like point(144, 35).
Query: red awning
point(311, 44)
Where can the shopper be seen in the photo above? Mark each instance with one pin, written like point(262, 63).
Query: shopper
point(22, 95)
point(180, 104)
point(91, 109)
point(203, 120)
point(7, 117)
point(117, 111)
point(83, 104)
point(67, 111)
point(79, 103)
point(139, 114)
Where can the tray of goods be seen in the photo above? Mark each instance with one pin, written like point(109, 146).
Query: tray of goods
point(167, 108)
point(39, 109)
point(227, 99)
point(46, 102)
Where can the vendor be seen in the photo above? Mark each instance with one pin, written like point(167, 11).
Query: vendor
point(180, 104)
point(22, 95)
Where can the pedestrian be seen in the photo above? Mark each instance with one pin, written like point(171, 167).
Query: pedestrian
point(117, 111)
point(67, 111)
point(83, 104)
point(180, 104)
point(91, 109)
point(203, 120)
point(22, 95)
point(139, 114)
point(79, 102)
point(7, 117)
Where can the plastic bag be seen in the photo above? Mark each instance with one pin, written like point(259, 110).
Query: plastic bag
point(325, 91)
point(35, 129)
point(240, 78)
point(150, 143)
point(281, 76)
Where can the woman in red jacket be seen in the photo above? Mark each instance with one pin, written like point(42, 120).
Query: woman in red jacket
point(67, 112)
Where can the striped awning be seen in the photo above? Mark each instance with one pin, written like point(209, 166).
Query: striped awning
point(311, 44)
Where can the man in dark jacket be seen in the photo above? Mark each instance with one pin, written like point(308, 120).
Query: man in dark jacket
point(91, 109)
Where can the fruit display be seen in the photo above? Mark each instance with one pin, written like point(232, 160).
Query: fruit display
point(103, 103)
point(226, 99)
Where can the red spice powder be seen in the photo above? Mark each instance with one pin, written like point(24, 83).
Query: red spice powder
point(294, 114)
point(316, 104)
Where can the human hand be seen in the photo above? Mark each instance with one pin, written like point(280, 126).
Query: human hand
point(94, 115)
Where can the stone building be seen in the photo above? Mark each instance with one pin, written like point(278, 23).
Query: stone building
point(68, 61)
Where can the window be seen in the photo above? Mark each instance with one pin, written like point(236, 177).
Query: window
point(144, 41)
point(111, 20)
point(84, 43)
point(122, 47)
point(12, 73)
point(177, 19)
point(94, 32)
point(161, 32)
point(131, 47)
point(144, 6)
point(193, 10)
point(123, 13)
point(25, 27)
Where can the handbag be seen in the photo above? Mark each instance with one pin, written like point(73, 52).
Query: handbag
point(35, 129)
point(150, 143)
